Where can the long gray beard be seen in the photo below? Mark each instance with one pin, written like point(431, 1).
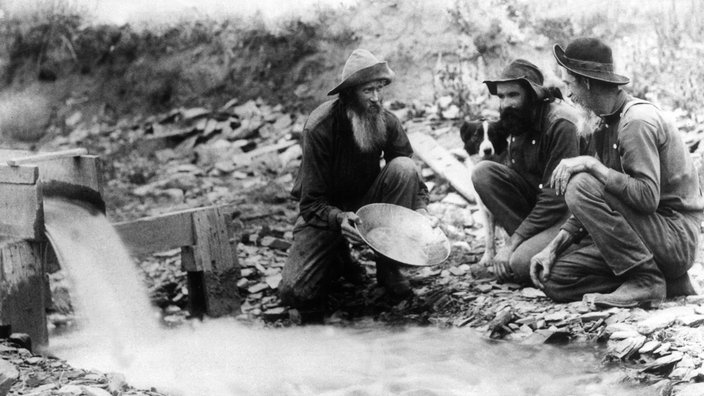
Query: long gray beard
point(368, 129)
point(587, 121)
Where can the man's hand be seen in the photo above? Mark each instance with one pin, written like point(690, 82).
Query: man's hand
point(500, 262)
point(347, 221)
point(541, 265)
point(568, 167)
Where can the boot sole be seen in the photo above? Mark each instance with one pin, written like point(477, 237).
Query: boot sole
point(591, 301)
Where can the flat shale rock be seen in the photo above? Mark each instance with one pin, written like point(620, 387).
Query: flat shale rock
point(8, 376)
point(662, 362)
point(689, 389)
point(662, 319)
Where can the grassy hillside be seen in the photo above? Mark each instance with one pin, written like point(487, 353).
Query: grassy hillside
point(53, 61)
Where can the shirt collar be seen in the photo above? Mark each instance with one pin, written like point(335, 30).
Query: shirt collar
point(615, 112)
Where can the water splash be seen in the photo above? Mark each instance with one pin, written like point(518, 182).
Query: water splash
point(115, 313)
point(222, 358)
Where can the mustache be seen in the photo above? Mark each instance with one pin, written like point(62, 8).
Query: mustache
point(374, 107)
point(514, 113)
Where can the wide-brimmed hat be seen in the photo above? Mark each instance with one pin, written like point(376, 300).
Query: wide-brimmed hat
point(589, 57)
point(523, 71)
point(362, 67)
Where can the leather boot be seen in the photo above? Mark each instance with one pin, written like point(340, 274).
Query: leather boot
point(389, 276)
point(681, 286)
point(644, 285)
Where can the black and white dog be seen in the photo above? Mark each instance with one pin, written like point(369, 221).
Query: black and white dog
point(484, 141)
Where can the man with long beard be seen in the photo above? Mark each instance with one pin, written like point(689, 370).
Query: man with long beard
point(343, 142)
point(637, 206)
point(541, 131)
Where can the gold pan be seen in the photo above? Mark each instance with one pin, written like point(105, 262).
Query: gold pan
point(402, 234)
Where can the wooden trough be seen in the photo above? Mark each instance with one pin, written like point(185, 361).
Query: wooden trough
point(203, 235)
point(24, 285)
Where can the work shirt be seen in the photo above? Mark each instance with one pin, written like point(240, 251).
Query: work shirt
point(650, 168)
point(536, 153)
point(335, 174)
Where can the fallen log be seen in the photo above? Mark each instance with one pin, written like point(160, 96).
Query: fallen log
point(444, 164)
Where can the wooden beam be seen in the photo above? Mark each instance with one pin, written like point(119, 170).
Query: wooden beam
point(159, 233)
point(22, 289)
point(25, 174)
point(21, 211)
point(213, 251)
point(214, 256)
point(444, 164)
point(45, 156)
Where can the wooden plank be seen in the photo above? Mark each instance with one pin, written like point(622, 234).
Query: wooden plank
point(157, 234)
point(21, 211)
point(444, 164)
point(44, 156)
point(216, 260)
point(25, 174)
point(23, 289)
point(213, 252)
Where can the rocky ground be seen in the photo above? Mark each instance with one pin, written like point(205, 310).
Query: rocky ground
point(246, 155)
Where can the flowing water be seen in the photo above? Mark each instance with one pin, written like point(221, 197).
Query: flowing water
point(219, 357)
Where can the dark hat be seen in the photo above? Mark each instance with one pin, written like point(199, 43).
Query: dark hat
point(589, 57)
point(362, 67)
point(520, 70)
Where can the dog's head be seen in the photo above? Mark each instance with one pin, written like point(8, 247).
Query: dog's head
point(483, 139)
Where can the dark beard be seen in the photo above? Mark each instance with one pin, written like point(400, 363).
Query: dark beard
point(368, 127)
point(515, 121)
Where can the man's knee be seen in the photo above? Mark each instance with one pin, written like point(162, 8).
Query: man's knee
point(484, 173)
point(520, 266)
point(560, 285)
point(296, 289)
point(402, 167)
point(580, 186)
point(309, 266)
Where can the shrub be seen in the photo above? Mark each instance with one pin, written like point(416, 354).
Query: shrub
point(24, 116)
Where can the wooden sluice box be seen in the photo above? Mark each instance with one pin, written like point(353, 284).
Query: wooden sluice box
point(204, 236)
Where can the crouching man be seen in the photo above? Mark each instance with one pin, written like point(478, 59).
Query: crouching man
point(541, 131)
point(637, 205)
point(343, 142)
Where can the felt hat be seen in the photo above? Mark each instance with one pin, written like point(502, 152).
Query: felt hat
point(523, 71)
point(591, 58)
point(362, 67)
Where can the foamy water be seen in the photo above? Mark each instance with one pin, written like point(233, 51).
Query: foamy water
point(222, 357)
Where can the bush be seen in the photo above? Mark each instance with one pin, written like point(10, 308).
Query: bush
point(24, 116)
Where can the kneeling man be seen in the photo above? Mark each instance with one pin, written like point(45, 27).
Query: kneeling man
point(541, 131)
point(343, 142)
point(637, 206)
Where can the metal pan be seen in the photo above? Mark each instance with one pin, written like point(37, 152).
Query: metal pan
point(402, 234)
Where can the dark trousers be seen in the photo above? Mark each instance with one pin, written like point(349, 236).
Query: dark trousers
point(318, 255)
point(620, 239)
point(510, 198)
